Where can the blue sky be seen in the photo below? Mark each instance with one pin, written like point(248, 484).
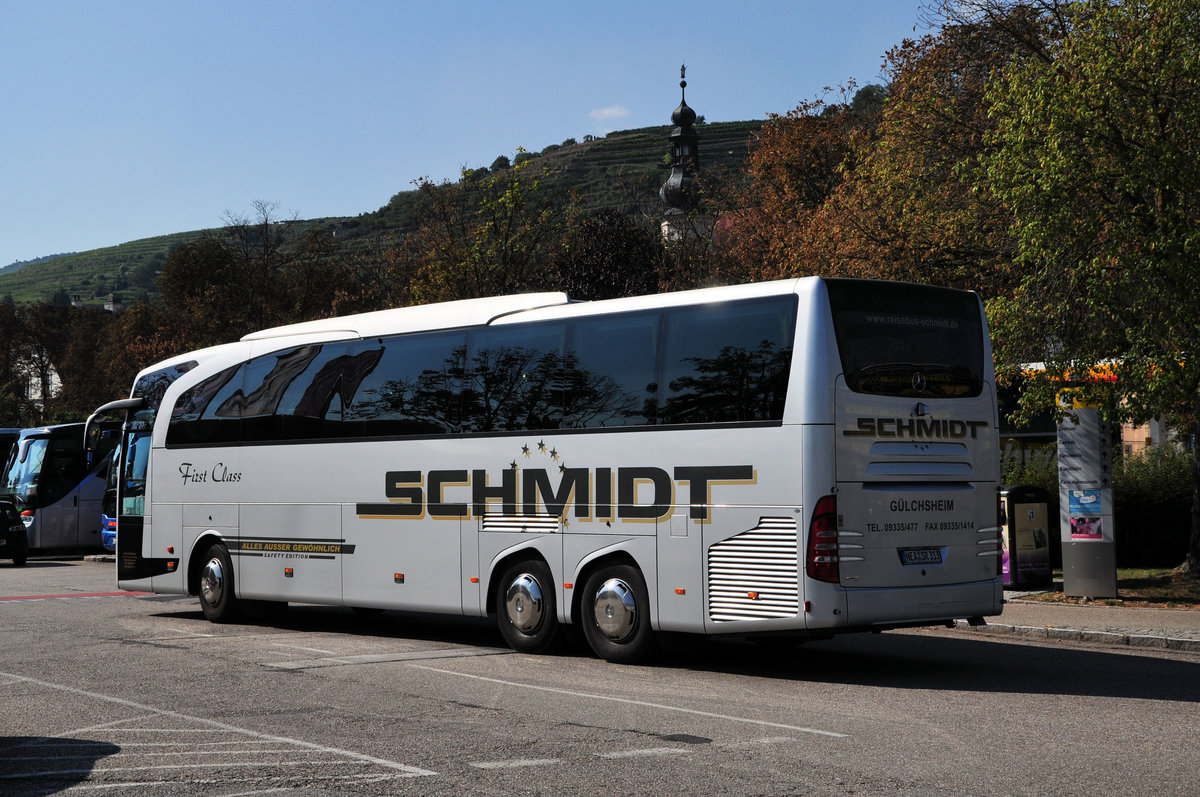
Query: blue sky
point(122, 119)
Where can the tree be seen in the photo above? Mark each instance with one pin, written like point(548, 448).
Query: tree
point(795, 163)
point(255, 273)
point(146, 332)
point(1095, 155)
point(77, 359)
point(608, 255)
point(201, 285)
point(488, 236)
point(911, 207)
point(14, 406)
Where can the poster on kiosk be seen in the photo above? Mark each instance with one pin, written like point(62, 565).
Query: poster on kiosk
point(1085, 501)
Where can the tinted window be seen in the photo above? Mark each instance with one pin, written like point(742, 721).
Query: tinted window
point(265, 381)
point(194, 419)
point(714, 363)
point(404, 385)
point(313, 403)
point(152, 386)
point(64, 467)
point(727, 362)
point(609, 371)
point(908, 340)
point(513, 378)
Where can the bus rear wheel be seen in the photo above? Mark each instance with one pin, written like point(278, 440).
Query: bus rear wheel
point(615, 614)
point(216, 586)
point(526, 611)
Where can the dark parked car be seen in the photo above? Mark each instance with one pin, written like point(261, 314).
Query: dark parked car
point(14, 544)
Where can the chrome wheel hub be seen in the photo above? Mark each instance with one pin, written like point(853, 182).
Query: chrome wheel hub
point(615, 609)
point(524, 603)
point(212, 582)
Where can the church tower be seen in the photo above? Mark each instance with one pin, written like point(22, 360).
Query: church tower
point(678, 193)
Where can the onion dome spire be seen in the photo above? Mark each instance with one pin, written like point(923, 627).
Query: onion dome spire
point(677, 192)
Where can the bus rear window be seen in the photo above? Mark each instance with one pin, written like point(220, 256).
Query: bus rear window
point(908, 340)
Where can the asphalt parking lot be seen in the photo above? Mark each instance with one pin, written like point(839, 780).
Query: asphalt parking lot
point(119, 693)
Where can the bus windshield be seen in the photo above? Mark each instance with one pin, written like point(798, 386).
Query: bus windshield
point(25, 469)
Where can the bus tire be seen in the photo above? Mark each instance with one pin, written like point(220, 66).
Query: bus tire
point(217, 599)
point(615, 614)
point(526, 611)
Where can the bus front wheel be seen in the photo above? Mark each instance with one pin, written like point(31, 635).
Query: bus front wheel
point(525, 608)
point(615, 614)
point(216, 586)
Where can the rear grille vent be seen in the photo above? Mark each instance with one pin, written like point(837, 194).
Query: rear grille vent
point(533, 524)
point(755, 575)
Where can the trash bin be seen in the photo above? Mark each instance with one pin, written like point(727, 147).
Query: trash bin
point(1026, 560)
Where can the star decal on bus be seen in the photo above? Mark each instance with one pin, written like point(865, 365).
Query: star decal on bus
point(553, 453)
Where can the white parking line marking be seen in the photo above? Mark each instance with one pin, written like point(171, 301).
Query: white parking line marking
point(186, 633)
point(296, 781)
point(377, 658)
point(205, 765)
point(410, 771)
point(755, 742)
point(514, 764)
point(194, 745)
point(642, 703)
point(650, 751)
point(126, 785)
point(301, 647)
point(175, 753)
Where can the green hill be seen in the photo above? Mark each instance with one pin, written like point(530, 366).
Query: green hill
point(623, 170)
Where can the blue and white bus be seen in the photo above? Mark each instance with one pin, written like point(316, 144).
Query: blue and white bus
point(797, 458)
point(57, 484)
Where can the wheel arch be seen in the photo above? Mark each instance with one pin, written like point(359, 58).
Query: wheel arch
point(589, 566)
point(196, 559)
point(503, 562)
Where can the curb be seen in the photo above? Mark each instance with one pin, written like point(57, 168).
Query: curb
point(1110, 638)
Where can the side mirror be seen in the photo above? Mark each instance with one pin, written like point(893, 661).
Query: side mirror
point(91, 437)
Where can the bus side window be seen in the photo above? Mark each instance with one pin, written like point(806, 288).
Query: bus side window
point(727, 362)
point(404, 385)
point(512, 378)
point(609, 371)
point(193, 419)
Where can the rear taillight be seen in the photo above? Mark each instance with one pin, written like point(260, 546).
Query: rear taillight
point(822, 558)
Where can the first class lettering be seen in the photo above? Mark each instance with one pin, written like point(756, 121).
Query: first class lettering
point(917, 428)
point(217, 474)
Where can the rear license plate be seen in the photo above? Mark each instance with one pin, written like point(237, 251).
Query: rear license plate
point(920, 556)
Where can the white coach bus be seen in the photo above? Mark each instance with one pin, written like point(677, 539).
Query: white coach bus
point(795, 458)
